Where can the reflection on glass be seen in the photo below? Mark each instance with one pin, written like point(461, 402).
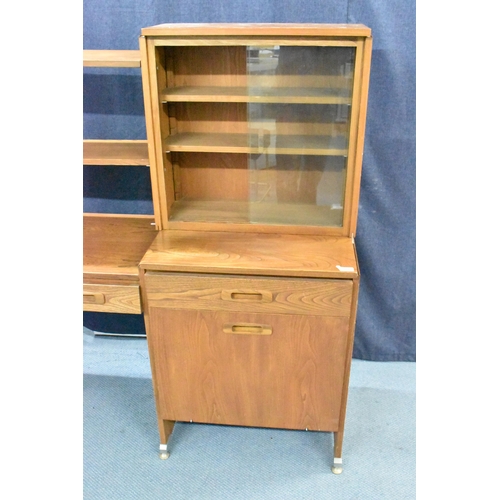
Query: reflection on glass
point(300, 131)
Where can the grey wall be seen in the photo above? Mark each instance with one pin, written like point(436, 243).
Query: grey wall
point(385, 328)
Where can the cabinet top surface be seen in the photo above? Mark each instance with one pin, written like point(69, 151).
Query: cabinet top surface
point(114, 244)
point(252, 254)
point(249, 29)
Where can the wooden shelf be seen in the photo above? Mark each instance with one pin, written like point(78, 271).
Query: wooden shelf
point(113, 245)
point(247, 143)
point(112, 58)
point(241, 212)
point(286, 95)
point(125, 153)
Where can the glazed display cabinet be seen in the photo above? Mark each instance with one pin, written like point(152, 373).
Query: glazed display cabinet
point(249, 290)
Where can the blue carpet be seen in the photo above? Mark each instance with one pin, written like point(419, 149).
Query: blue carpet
point(221, 462)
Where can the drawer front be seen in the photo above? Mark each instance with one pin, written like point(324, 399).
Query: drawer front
point(267, 295)
point(112, 298)
point(263, 370)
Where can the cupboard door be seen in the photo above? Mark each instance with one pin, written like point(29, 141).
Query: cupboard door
point(302, 128)
point(262, 370)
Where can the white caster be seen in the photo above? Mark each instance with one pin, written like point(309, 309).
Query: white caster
point(337, 466)
point(164, 454)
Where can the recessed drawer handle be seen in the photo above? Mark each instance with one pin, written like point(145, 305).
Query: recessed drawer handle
point(93, 298)
point(247, 295)
point(248, 329)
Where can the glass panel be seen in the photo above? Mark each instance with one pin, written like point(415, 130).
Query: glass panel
point(298, 116)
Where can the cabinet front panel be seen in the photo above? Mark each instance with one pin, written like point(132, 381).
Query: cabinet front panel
point(266, 295)
point(112, 298)
point(262, 370)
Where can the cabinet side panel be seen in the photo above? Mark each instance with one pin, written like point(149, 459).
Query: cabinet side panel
point(156, 187)
point(154, 77)
point(290, 378)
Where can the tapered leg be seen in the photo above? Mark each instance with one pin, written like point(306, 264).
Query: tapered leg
point(165, 427)
point(337, 452)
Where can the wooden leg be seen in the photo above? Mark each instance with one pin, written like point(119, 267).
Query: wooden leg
point(339, 435)
point(337, 452)
point(165, 427)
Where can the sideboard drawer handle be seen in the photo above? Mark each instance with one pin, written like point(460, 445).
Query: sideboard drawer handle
point(247, 295)
point(93, 298)
point(248, 329)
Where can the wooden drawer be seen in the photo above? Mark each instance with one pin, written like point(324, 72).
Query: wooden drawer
point(267, 295)
point(112, 298)
point(240, 368)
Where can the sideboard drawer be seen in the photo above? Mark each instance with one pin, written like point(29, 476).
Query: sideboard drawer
point(112, 298)
point(253, 294)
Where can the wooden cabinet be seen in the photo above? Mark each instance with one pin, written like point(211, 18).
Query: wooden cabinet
point(250, 288)
point(113, 244)
point(248, 350)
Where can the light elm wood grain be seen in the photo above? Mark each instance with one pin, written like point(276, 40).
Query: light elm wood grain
point(252, 254)
point(289, 379)
point(123, 299)
point(112, 152)
point(113, 245)
point(112, 58)
point(251, 294)
point(303, 30)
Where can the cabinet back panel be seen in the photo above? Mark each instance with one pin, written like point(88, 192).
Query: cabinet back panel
point(218, 66)
point(272, 119)
point(315, 186)
point(211, 118)
point(211, 176)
